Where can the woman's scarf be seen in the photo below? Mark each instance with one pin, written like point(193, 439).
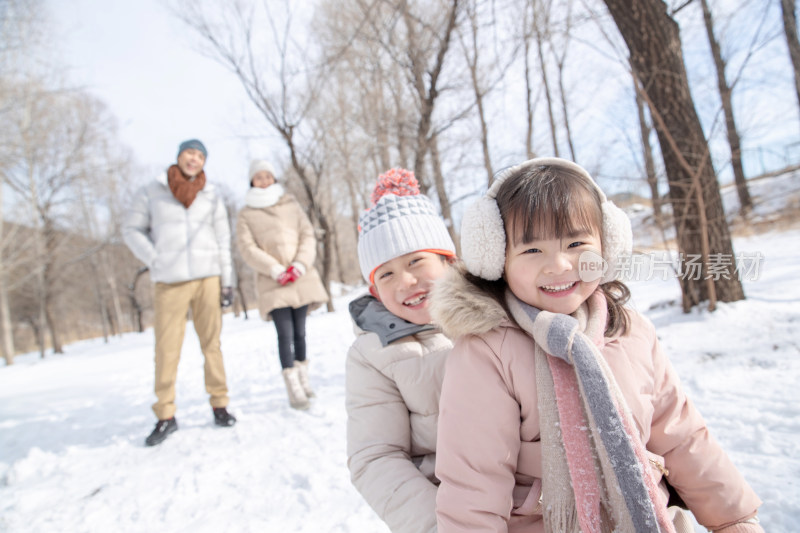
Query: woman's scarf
point(587, 432)
point(183, 188)
point(258, 197)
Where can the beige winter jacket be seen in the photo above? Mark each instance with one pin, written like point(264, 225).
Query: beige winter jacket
point(270, 239)
point(489, 450)
point(392, 386)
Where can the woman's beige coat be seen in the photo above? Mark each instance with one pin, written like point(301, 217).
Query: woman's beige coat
point(392, 401)
point(270, 239)
point(489, 449)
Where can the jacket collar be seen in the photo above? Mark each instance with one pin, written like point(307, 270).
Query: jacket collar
point(461, 309)
point(369, 314)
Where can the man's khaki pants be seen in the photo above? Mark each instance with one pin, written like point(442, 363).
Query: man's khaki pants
point(172, 300)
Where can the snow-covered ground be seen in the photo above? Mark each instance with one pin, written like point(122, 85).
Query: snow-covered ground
point(72, 426)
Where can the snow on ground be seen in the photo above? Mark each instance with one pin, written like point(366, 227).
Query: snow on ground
point(72, 426)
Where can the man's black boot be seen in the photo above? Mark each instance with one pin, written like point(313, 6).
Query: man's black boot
point(162, 431)
point(223, 418)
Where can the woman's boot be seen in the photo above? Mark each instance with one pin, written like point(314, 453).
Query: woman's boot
point(302, 372)
point(297, 396)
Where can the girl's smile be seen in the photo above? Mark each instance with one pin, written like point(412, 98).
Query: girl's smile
point(559, 290)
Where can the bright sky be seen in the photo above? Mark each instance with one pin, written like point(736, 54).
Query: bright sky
point(143, 63)
point(140, 60)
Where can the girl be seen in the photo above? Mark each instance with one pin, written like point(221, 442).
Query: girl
point(276, 239)
point(559, 412)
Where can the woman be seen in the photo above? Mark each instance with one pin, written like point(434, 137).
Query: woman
point(276, 239)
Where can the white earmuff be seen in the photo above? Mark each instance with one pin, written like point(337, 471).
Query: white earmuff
point(483, 236)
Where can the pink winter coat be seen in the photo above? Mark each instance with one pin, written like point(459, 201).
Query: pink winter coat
point(488, 437)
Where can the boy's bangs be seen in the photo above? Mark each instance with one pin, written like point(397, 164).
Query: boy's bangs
point(551, 207)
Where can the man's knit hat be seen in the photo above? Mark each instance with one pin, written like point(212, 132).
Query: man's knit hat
point(400, 221)
point(193, 144)
point(257, 165)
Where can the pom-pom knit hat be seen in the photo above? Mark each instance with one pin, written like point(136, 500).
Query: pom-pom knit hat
point(400, 221)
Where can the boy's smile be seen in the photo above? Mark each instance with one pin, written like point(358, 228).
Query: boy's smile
point(404, 283)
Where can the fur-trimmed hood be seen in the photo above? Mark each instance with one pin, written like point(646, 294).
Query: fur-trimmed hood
point(460, 309)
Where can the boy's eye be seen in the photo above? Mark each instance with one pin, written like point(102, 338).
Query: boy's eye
point(575, 244)
point(532, 251)
point(384, 275)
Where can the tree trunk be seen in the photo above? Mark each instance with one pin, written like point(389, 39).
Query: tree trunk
point(471, 54)
point(242, 299)
point(560, 60)
point(37, 333)
point(41, 302)
point(51, 326)
point(316, 213)
point(136, 308)
point(543, 65)
point(647, 155)
point(98, 296)
point(725, 92)
point(111, 279)
point(530, 105)
point(653, 40)
point(790, 29)
point(567, 127)
point(444, 201)
point(6, 329)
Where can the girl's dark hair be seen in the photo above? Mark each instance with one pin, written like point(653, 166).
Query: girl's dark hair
point(617, 294)
point(546, 202)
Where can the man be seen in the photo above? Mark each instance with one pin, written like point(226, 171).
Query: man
point(178, 226)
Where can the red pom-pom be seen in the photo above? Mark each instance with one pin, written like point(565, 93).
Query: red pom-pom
point(397, 181)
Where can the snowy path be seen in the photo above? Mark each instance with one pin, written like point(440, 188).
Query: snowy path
point(72, 427)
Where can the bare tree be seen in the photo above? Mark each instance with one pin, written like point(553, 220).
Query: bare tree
point(541, 31)
point(410, 42)
point(57, 132)
point(530, 102)
point(560, 58)
point(21, 32)
point(471, 49)
point(280, 86)
point(790, 29)
point(98, 213)
point(426, 48)
point(647, 153)
point(725, 92)
point(653, 41)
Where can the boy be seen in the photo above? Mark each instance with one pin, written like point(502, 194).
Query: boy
point(396, 364)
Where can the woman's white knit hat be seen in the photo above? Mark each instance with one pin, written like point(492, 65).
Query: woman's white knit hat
point(257, 165)
point(400, 221)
